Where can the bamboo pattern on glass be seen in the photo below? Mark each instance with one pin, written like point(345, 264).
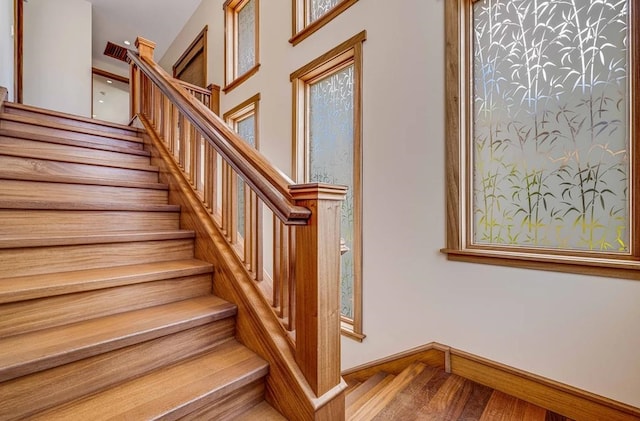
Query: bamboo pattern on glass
point(550, 139)
point(331, 157)
point(319, 8)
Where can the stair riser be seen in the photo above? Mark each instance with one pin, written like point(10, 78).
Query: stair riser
point(40, 260)
point(63, 192)
point(31, 315)
point(11, 166)
point(43, 222)
point(85, 137)
point(79, 154)
point(68, 121)
point(28, 395)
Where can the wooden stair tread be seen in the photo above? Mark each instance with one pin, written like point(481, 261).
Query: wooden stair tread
point(34, 109)
point(93, 206)
point(363, 388)
point(36, 286)
point(60, 283)
point(172, 392)
point(355, 406)
point(261, 412)
point(68, 128)
point(40, 350)
point(17, 134)
point(385, 395)
point(7, 242)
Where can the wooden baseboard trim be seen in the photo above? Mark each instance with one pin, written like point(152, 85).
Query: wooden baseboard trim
point(555, 396)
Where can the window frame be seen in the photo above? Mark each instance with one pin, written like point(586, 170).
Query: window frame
point(301, 28)
point(244, 110)
point(231, 10)
point(347, 53)
point(458, 165)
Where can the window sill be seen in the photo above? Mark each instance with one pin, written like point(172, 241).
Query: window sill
point(347, 329)
point(240, 79)
point(595, 266)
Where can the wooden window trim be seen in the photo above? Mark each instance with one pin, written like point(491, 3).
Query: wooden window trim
point(301, 29)
point(347, 53)
point(231, 10)
point(458, 75)
point(243, 110)
point(197, 45)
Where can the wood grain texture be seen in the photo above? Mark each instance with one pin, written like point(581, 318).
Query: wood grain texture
point(258, 327)
point(318, 286)
point(34, 393)
point(12, 166)
point(231, 405)
point(68, 192)
point(61, 140)
point(29, 261)
point(263, 411)
point(173, 392)
point(388, 393)
point(37, 286)
point(70, 119)
point(36, 351)
point(15, 222)
point(23, 317)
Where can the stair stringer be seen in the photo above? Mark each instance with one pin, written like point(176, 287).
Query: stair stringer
point(257, 326)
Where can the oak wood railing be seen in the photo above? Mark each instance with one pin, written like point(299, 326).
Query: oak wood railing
point(287, 236)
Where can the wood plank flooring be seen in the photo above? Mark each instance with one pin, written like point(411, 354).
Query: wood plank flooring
point(433, 394)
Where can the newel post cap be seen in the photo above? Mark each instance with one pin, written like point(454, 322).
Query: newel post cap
point(318, 191)
point(145, 47)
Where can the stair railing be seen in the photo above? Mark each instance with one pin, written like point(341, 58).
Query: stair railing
point(286, 235)
point(209, 96)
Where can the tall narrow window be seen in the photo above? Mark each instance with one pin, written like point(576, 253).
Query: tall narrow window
point(328, 149)
point(547, 131)
point(241, 41)
point(311, 15)
point(243, 119)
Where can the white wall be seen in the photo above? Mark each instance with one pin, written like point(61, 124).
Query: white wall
point(57, 55)
point(6, 46)
point(580, 330)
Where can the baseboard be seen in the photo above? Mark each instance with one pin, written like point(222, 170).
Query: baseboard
point(558, 397)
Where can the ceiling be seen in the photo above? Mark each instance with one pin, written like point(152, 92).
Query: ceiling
point(159, 21)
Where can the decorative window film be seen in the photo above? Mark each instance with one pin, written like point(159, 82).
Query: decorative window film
point(330, 148)
point(542, 132)
point(241, 41)
point(311, 15)
point(243, 120)
point(550, 128)
point(327, 146)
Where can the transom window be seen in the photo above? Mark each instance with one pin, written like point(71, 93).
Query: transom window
point(542, 131)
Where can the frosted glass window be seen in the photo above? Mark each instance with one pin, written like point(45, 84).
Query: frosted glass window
point(246, 130)
point(550, 138)
point(331, 117)
point(246, 38)
point(319, 8)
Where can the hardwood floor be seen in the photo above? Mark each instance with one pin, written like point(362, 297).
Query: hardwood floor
point(421, 392)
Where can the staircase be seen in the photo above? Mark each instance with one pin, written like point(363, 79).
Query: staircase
point(104, 312)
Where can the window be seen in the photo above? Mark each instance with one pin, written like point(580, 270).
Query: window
point(243, 119)
point(328, 149)
point(241, 41)
point(311, 15)
point(542, 123)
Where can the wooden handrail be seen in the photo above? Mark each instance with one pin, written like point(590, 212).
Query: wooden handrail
point(236, 190)
point(193, 87)
point(271, 185)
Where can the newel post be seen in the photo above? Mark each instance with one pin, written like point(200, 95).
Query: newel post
point(214, 102)
point(318, 285)
point(145, 50)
